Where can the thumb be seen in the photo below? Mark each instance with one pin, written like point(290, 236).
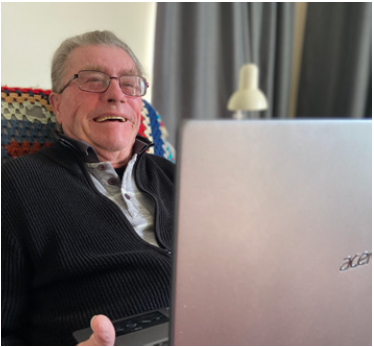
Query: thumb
point(103, 332)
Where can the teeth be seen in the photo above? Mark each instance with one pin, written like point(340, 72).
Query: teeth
point(103, 119)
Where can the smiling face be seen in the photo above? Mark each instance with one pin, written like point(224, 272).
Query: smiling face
point(107, 121)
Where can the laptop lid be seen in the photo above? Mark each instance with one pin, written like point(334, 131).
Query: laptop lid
point(273, 233)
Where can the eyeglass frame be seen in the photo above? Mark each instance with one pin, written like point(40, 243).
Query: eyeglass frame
point(75, 76)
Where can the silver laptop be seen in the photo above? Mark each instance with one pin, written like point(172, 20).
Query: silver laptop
point(274, 225)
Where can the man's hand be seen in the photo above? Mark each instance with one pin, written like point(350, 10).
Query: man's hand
point(103, 332)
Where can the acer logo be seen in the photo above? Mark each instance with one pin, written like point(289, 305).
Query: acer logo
point(357, 260)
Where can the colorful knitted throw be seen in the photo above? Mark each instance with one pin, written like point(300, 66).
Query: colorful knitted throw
point(27, 121)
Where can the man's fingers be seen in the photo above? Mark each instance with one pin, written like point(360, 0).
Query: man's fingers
point(103, 332)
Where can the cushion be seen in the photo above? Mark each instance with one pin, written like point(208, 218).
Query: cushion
point(27, 121)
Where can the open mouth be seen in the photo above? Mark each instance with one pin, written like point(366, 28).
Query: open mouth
point(110, 119)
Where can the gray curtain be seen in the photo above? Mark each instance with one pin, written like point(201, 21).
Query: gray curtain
point(200, 47)
point(335, 79)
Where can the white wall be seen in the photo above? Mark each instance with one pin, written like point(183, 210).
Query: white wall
point(300, 20)
point(32, 31)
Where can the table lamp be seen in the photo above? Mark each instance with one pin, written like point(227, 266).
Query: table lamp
point(248, 97)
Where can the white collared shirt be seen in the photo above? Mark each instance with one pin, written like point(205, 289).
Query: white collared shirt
point(138, 208)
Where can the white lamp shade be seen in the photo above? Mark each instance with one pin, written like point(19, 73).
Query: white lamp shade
point(248, 97)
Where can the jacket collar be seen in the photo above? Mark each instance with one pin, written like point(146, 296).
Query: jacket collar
point(89, 154)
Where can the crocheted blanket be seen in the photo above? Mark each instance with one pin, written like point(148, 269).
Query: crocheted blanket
point(27, 121)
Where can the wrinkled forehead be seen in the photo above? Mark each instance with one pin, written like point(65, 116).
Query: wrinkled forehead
point(112, 60)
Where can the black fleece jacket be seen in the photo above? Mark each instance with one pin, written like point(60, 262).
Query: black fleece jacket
point(68, 252)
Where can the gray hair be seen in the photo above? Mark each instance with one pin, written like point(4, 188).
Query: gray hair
point(93, 38)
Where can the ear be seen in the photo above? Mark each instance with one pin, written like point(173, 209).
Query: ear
point(55, 101)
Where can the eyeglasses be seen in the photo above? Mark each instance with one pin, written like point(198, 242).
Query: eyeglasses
point(98, 82)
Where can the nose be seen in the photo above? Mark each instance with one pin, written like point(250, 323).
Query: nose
point(114, 92)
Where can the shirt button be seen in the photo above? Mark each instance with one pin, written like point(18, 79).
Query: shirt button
point(112, 181)
point(127, 196)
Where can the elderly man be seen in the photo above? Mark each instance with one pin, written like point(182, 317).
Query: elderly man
point(87, 223)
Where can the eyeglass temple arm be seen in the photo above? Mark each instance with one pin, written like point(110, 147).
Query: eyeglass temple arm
point(67, 84)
